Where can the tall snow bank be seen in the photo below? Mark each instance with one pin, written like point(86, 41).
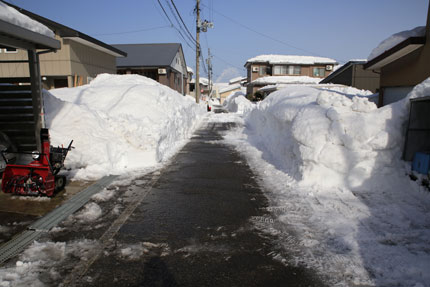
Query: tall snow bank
point(238, 103)
point(330, 138)
point(119, 123)
point(395, 39)
point(11, 15)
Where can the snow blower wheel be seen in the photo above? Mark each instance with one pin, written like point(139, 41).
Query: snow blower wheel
point(60, 182)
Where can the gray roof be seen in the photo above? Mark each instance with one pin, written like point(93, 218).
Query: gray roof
point(147, 55)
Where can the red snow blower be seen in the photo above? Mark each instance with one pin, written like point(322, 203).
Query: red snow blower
point(36, 173)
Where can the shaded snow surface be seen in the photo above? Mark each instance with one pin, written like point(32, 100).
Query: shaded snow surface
point(119, 123)
point(340, 194)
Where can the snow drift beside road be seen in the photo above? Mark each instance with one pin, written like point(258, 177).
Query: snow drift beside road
point(341, 198)
point(119, 123)
point(238, 103)
point(322, 137)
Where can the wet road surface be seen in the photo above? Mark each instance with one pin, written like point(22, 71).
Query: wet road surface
point(195, 227)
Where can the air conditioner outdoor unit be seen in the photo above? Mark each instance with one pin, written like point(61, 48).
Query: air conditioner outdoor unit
point(162, 71)
point(328, 67)
point(255, 69)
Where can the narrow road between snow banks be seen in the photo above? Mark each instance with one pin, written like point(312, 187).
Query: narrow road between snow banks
point(196, 227)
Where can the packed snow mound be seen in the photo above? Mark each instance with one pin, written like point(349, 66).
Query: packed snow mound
point(395, 39)
point(119, 123)
point(238, 103)
point(330, 138)
point(11, 15)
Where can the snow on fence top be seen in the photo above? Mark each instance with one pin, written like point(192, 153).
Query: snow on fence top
point(291, 59)
point(12, 16)
point(395, 39)
point(270, 80)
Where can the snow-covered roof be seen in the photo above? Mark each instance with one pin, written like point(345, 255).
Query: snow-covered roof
point(291, 59)
point(395, 39)
point(272, 80)
point(189, 70)
point(202, 81)
point(230, 88)
point(12, 16)
point(237, 79)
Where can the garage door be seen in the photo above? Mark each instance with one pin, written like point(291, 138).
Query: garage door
point(394, 94)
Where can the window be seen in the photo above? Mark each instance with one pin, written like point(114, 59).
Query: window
point(279, 70)
point(294, 70)
point(319, 72)
point(10, 50)
point(286, 70)
point(263, 71)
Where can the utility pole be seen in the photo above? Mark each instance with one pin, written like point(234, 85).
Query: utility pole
point(197, 85)
point(204, 27)
point(209, 63)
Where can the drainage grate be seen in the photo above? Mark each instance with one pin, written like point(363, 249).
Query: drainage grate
point(18, 243)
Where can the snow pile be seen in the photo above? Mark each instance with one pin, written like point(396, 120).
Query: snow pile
point(331, 161)
point(271, 80)
point(395, 39)
point(238, 103)
point(11, 15)
point(322, 137)
point(291, 59)
point(119, 123)
point(40, 264)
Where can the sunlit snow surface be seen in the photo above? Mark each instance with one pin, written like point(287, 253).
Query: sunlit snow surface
point(330, 164)
point(119, 123)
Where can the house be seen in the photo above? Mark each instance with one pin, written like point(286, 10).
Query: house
point(238, 80)
point(190, 74)
point(353, 74)
point(21, 108)
point(286, 66)
point(224, 92)
point(403, 64)
point(164, 63)
point(204, 87)
point(80, 59)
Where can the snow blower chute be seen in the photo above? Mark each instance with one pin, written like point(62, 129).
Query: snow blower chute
point(36, 173)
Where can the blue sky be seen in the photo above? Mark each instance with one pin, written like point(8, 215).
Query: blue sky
point(339, 29)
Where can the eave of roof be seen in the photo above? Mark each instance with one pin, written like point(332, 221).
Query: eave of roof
point(406, 47)
point(21, 38)
point(67, 32)
point(340, 70)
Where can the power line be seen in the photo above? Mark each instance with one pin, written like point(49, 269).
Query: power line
point(262, 34)
point(179, 14)
point(134, 31)
point(179, 24)
point(173, 26)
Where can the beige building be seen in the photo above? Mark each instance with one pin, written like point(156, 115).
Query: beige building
point(285, 65)
point(353, 74)
point(80, 59)
point(403, 66)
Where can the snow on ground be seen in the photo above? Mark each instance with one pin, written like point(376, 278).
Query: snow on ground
point(47, 258)
point(11, 15)
point(238, 103)
point(338, 189)
point(395, 39)
point(119, 123)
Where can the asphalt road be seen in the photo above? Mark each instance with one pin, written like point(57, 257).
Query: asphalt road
point(196, 227)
